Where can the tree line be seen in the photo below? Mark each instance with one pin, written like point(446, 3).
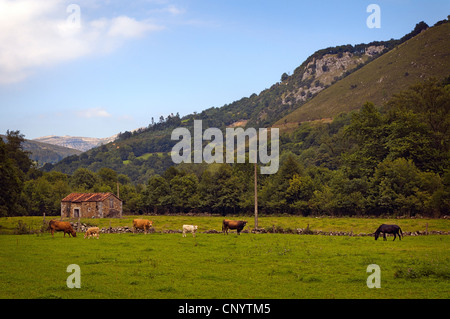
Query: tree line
point(389, 160)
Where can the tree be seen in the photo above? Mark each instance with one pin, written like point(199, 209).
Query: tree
point(322, 201)
point(289, 167)
point(183, 191)
point(11, 183)
point(440, 201)
point(107, 177)
point(205, 187)
point(220, 190)
point(123, 179)
point(349, 193)
point(273, 193)
point(132, 199)
point(426, 108)
point(15, 150)
point(399, 187)
point(299, 192)
point(44, 194)
point(369, 130)
point(410, 138)
point(157, 193)
point(83, 180)
point(227, 190)
point(14, 167)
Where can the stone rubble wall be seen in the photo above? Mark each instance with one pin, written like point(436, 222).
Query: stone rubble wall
point(274, 230)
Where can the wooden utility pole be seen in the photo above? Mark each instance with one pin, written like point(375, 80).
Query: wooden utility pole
point(118, 189)
point(256, 198)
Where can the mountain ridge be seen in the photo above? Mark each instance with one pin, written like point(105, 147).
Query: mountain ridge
point(75, 142)
point(145, 152)
point(425, 55)
point(43, 153)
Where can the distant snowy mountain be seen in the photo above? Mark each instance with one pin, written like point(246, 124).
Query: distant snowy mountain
point(79, 143)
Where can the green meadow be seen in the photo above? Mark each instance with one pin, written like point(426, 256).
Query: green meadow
point(286, 266)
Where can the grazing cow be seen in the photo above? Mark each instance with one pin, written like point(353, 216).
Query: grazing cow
point(92, 231)
point(233, 224)
point(61, 226)
point(144, 224)
point(388, 229)
point(189, 228)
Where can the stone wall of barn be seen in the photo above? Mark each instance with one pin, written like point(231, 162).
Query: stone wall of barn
point(65, 209)
point(83, 210)
point(89, 209)
point(109, 208)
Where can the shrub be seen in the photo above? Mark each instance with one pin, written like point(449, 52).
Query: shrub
point(22, 229)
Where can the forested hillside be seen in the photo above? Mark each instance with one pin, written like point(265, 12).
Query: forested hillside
point(389, 156)
point(42, 153)
point(423, 56)
point(381, 160)
point(142, 153)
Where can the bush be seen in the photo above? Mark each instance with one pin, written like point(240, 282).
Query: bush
point(22, 229)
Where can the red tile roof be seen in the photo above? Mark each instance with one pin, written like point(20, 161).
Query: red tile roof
point(87, 197)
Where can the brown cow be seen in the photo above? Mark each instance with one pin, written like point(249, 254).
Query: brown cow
point(61, 226)
point(233, 224)
point(144, 224)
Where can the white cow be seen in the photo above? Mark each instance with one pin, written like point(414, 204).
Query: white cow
point(189, 228)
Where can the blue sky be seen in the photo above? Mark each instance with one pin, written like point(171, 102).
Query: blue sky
point(117, 64)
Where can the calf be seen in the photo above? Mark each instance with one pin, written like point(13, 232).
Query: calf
point(92, 231)
point(144, 224)
point(233, 224)
point(55, 225)
point(189, 228)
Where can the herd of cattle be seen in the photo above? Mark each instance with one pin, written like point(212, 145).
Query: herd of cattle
point(143, 224)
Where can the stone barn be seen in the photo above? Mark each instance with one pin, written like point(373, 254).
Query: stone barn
point(91, 205)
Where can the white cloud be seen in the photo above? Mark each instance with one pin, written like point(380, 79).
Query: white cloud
point(40, 33)
point(124, 26)
point(174, 10)
point(93, 113)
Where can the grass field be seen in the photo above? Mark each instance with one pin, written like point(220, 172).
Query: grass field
point(271, 266)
